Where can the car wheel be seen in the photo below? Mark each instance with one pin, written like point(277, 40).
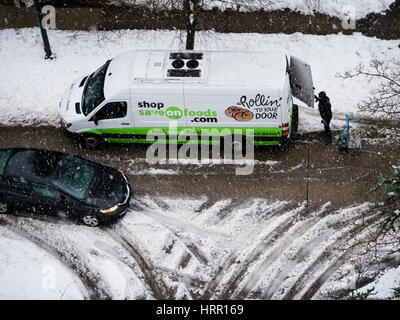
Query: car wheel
point(90, 220)
point(92, 141)
point(4, 207)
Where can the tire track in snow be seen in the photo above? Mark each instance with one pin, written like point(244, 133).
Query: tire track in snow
point(192, 247)
point(238, 275)
point(291, 238)
point(282, 276)
point(276, 242)
point(306, 290)
point(92, 282)
point(212, 286)
point(152, 279)
point(187, 243)
point(227, 210)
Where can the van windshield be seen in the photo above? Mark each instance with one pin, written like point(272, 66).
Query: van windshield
point(93, 94)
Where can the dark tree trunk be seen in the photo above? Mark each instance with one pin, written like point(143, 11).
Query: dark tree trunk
point(191, 10)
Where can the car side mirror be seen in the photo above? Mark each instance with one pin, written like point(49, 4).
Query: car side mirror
point(96, 122)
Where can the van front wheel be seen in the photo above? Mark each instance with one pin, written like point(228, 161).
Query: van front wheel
point(92, 141)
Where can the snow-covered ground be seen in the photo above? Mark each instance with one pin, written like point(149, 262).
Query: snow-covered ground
point(185, 248)
point(31, 87)
point(334, 8)
point(29, 272)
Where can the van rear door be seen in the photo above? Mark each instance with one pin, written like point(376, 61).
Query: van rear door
point(301, 82)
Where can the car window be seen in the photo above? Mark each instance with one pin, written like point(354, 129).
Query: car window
point(45, 191)
point(112, 110)
point(4, 156)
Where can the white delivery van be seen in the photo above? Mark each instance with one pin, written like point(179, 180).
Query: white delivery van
point(143, 91)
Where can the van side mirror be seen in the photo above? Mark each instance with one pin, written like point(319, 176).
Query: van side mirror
point(96, 122)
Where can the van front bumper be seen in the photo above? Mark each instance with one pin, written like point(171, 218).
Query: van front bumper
point(69, 134)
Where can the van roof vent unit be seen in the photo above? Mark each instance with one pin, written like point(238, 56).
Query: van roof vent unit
point(178, 63)
point(184, 73)
point(185, 64)
point(186, 55)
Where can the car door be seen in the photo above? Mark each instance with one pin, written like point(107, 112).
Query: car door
point(17, 192)
point(301, 82)
point(68, 207)
point(114, 120)
point(47, 199)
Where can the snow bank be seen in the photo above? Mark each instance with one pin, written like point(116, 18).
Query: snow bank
point(29, 272)
point(384, 286)
point(31, 87)
point(331, 7)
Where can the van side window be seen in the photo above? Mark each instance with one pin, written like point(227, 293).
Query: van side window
point(113, 110)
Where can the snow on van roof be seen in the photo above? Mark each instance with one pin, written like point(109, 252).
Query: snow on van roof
point(216, 68)
point(247, 69)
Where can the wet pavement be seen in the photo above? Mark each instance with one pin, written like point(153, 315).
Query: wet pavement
point(279, 172)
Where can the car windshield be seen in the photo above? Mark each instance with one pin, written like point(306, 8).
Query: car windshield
point(93, 94)
point(74, 176)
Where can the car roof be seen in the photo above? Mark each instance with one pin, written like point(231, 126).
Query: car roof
point(34, 165)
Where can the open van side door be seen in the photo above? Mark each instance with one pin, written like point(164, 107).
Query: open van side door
point(301, 82)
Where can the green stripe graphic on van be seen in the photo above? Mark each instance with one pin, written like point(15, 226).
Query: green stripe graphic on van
point(210, 131)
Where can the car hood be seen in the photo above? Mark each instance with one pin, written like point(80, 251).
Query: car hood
point(109, 189)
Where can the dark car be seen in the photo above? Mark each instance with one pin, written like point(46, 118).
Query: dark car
point(60, 184)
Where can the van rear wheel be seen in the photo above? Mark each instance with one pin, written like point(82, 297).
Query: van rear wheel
point(92, 141)
point(295, 119)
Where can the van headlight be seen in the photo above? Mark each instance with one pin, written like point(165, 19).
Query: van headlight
point(112, 209)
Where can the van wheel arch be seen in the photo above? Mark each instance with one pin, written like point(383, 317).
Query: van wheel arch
point(295, 119)
point(92, 141)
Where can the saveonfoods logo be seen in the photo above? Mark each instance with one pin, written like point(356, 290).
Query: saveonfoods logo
point(175, 113)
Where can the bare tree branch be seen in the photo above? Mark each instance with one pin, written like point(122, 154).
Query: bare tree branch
point(385, 102)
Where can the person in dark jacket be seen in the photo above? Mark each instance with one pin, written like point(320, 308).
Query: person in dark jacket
point(325, 110)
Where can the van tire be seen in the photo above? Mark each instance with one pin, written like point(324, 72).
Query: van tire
point(295, 119)
point(92, 141)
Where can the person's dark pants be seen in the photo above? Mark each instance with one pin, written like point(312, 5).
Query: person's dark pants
point(328, 134)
